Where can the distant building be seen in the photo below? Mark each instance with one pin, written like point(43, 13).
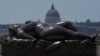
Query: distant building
point(52, 16)
point(89, 27)
point(88, 30)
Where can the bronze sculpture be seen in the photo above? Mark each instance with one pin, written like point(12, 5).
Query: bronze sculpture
point(46, 37)
point(33, 30)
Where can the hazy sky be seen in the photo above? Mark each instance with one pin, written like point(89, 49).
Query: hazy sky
point(18, 11)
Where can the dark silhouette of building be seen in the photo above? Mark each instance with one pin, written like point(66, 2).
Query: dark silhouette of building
point(52, 16)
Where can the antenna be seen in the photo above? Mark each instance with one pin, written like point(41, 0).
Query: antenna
point(75, 20)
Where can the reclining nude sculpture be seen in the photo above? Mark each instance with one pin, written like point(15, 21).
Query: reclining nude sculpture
point(47, 38)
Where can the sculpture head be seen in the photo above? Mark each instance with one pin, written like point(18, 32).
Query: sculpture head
point(13, 30)
point(30, 26)
point(27, 22)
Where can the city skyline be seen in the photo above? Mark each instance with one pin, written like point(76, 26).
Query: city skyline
point(18, 11)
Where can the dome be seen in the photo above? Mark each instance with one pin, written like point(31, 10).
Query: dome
point(52, 12)
point(52, 16)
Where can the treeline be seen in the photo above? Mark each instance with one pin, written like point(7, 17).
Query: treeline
point(88, 23)
point(4, 26)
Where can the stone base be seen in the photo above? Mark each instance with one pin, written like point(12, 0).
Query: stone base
point(64, 50)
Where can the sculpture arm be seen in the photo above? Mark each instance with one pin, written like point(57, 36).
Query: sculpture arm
point(22, 34)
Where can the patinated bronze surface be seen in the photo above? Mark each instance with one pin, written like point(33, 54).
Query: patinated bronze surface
point(41, 39)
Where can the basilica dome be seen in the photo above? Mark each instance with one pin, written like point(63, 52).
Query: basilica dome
point(52, 16)
point(52, 12)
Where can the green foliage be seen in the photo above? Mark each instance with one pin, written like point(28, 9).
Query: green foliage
point(98, 42)
point(3, 38)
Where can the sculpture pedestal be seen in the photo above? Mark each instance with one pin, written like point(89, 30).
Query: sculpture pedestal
point(64, 50)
